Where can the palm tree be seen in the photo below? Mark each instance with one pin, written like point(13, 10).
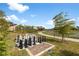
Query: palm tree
point(63, 25)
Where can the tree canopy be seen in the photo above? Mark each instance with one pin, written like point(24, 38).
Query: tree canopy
point(62, 24)
point(3, 31)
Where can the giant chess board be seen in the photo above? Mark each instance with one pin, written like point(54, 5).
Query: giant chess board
point(24, 41)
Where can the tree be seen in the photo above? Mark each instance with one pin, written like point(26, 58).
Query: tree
point(25, 29)
point(3, 33)
point(77, 27)
point(63, 25)
point(20, 29)
point(40, 28)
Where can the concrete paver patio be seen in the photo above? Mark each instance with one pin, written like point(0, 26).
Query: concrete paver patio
point(39, 49)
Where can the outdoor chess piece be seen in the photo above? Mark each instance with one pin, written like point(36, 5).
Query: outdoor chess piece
point(27, 37)
point(34, 42)
point(17, 41)
point(44, 38)
point(30, 41)
point(20, 44)
point(40, 40)
point(25, 43)
point(31, 36)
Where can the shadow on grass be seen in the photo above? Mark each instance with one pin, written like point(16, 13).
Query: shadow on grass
point(68, 53)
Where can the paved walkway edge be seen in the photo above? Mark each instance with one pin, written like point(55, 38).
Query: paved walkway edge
point(68, 39)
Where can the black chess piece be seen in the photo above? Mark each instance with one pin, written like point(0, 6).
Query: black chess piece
point(30, 41)
point(34, 42)
point(20, 44)
point(25, 43)
point(44, 38)
point(40, 40)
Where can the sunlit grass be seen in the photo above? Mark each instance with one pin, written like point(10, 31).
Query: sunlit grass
point(65, 48)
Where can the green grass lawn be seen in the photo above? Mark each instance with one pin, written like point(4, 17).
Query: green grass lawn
point(10, 46)
point(65, 48)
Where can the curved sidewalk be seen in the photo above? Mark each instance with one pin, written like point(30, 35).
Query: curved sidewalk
point(68, 39)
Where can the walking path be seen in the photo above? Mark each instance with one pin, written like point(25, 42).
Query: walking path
point(69, 39)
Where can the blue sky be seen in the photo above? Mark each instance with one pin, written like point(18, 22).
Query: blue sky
point(39, 14)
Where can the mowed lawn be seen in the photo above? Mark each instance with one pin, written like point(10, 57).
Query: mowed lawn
point(65, 48)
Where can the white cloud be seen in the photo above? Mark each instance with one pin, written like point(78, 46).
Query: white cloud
point(32, 15)
point(18, 7)
point(50, 22)
point(15, 19)
point(12, 18)
point(77, 21)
